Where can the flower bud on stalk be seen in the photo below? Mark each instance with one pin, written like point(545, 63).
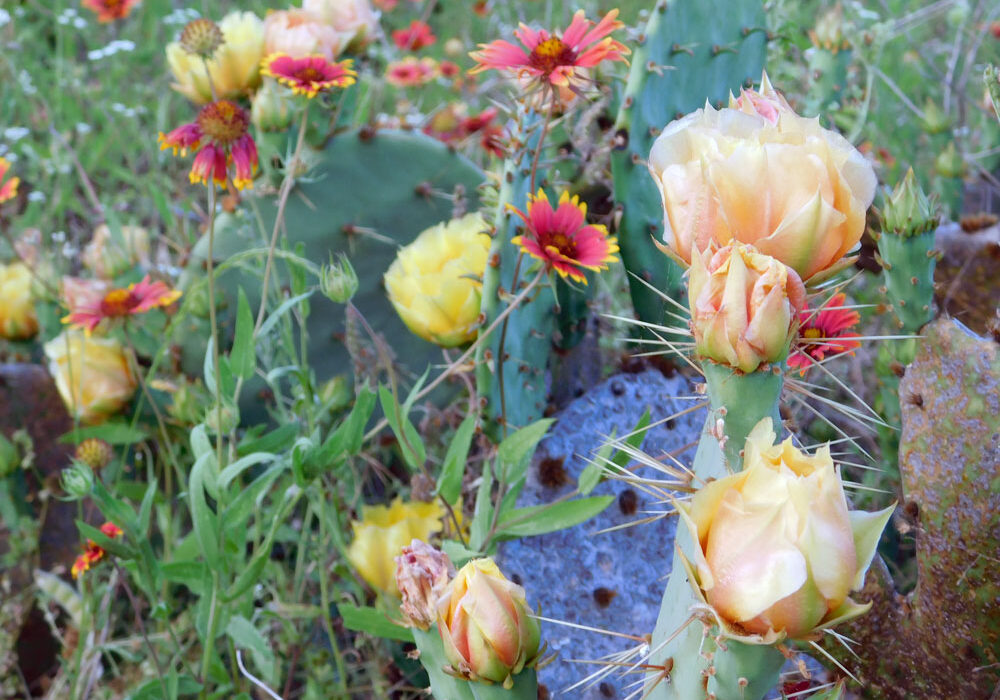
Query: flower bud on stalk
point(486, 625)
point(338, 280)
point(908, 211)
point(422, 573)
point(744, 306)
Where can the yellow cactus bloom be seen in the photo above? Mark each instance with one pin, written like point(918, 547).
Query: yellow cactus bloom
point(234, 68)
point(776, 549)
point(435, 282)
point(381, 534)
point(17, 310)
point(92, 374)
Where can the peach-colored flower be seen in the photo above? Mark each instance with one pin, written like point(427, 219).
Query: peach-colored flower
point(8, 189)
point(744, 306)
point(562, 239)
point(110, 10)
point(415, 37)
point(223, 126)
point(549, 59)
point(308, 75)
point(299, 33)
point(758, 173)
point(776, 549)
point(353, 19)
point(411, 71)
point(825, 331)
point(120, 303)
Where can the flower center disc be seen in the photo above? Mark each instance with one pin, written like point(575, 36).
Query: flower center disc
point(223, 122)
point(812, 333)
point(117, 302)
point(564, 243)
point(550, 54)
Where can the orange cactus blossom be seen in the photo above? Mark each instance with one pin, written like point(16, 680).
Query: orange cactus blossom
point(777, 550)
point(825, 332)
point(93, 552)
point(8, 185)
point(744, 307)
point(486, 625)
point(561, 237)
point(756, 172)
point(222, 127)
point(309, 75)
point(121, 302)
point(110, 10)
point(551, 60)
point(422, 573)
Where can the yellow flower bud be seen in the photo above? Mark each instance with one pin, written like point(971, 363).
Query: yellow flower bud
point(744, 307)
point(776, 549)
point(435, 282)
point(17, 310)
point(382, 533)
point(92, 374)
point(486, 625)
point(111, 254)
point(234, 68)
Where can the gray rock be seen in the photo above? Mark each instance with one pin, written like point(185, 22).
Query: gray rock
point(612, 581)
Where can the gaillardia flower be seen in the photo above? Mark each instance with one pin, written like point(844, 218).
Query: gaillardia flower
point(435, 282)
point(756, 172)
point(381, 534)
point(92, 374)
point(308, 75)
point(17, 309)
point(223, 127)
point(486, 625)
point(744, 306)
point(110, 10)
point(120, 303)
point(234, 66)
point(551, 60)
point(422, 572)
point(93, 552)
point(8, 188)
point(415, 37)
point(825, 331)
point(776, 549)
point(411, 71)
point(562, 239)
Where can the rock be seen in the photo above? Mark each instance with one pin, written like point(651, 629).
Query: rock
point(967, 277)
point(612, 581)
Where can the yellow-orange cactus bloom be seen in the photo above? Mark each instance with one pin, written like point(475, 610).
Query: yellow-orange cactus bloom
point(17, 309)
point(92, 374)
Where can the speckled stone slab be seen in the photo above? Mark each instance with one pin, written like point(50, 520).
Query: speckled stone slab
point(613, 580)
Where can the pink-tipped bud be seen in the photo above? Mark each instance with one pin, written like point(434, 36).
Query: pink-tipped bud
point(422, 573)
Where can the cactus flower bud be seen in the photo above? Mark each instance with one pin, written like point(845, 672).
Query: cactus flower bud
point(486, 625)
point(908, 211)
point(744, 306)
point(422, 573)
point(76, 481)
point(338, 280)
point(950, 163)
point(777, 550)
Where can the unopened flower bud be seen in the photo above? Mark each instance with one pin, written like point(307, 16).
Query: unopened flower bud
point(908, 211)
point(76, 481)
point(422, 573)
point(93, 452)
point(454, 47)
point(336, 393)
point(228, 417)
point(935, 120)
point(338, 280)
point(949, 162)
point(201, 37)
point(486, 626)
point(271, 109)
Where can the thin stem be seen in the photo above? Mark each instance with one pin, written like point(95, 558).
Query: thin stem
point(213, 624)
point(142, 628)
point(214, 323)
point(541, 139)
point(325, 599)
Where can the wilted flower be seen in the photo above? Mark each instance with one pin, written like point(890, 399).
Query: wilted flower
point(776, 549)
point(562, 239)
point(756, 172)
point(744, 306)
point(435, 282)
point(92, 374)
point(825, 331)
point(110, 10)
point(308, 75)
point(108, 256)
point(486, 625)
point(422, 572)
point(382, 533)
point(415, 37)
point(551, 60)
point(338, 280)
point(234, 67)
point(411, 71)
point(353, 19)
point(223, 126)
point(93, 552)
point(908, 211)
point(121, 302)
point(8, 189)
point(17, 308)
point(299, 33)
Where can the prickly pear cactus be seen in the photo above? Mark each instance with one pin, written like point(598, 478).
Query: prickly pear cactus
point(689, 52)
point(528, 340)
point(369, 193)
point(942, 640)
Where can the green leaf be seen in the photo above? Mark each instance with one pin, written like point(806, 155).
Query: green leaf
point(538, 520)
point(275, 441)
point(514, 453)
point(483, 513)
point(192, 574)
point(276, 315)
point(246, 636)
point(251, 572)
point(410, 444)
point(458, 553)
point(205, 525)
point(115, 546)
point(244, 354)
point(112, 433)
point(634, 440)
point(449, 484)
point(242, 464)
point(372, 621)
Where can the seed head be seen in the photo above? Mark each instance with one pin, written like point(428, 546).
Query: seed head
point(201, 37)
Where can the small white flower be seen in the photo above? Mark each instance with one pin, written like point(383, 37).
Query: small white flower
point(15, 133)
point(36, 196)
point(4, 17)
